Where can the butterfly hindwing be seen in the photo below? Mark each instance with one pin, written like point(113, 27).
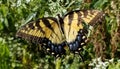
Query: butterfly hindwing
point(44, 31)
point(74, 28)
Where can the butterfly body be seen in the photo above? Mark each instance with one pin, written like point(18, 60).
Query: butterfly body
point(55, 34)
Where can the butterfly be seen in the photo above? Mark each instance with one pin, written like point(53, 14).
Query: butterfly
point(55, 34)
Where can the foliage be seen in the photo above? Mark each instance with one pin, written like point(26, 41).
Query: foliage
point(19, 54)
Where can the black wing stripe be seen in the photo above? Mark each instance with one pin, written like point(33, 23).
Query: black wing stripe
point(31, 25)
point(47, 24)
point(79, 18)
point(70, 17)
point(39, 27)
point(85, 13)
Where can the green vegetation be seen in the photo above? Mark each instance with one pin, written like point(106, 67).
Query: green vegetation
point(18, 54)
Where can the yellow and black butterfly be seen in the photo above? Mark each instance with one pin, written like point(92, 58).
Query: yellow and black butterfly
point(55, 33)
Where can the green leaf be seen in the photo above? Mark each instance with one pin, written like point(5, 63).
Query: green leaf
point(100, 4)
point(4, 10)
point(1, 26)
point(30, 17)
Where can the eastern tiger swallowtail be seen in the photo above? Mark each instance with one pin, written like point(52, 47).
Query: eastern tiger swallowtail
point(55, 33)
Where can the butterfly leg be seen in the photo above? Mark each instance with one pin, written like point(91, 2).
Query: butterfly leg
point(81, 57)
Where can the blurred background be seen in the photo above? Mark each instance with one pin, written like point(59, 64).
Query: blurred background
point(101, 52)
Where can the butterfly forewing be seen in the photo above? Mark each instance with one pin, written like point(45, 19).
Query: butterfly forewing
point(91, 17)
